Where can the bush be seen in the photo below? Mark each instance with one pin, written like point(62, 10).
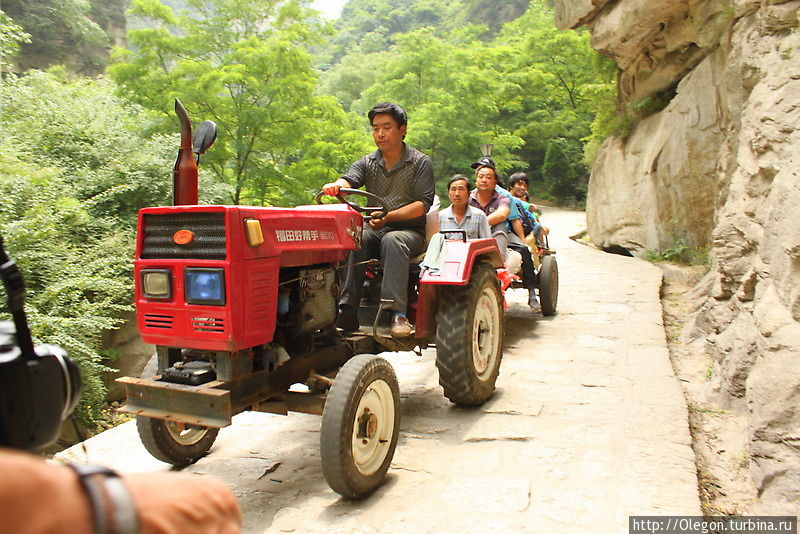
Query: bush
point(76, 164)
point(76, 267)
point(681, 252)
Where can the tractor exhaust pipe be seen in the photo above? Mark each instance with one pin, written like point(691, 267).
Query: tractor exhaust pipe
point(184, 173)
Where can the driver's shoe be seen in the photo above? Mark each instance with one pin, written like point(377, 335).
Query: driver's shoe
point(347, 320)
point(400, 326)
point(533, 302)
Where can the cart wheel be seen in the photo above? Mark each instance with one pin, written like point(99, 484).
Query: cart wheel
point(469, 337)
point(548, 285)
point(360, 425)
point(171, 442)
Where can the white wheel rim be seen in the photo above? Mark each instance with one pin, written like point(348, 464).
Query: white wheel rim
point(373, 427)
point(486, 333)
point(184, 434)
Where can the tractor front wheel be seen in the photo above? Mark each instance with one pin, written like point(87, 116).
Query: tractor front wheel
point(360, 426)
point(171, 442)
point(469, 337)
point(175, 443)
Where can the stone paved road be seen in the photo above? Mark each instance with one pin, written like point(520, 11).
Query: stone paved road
point(588, 426)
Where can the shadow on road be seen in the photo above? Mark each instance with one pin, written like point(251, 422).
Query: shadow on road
point(520, 323)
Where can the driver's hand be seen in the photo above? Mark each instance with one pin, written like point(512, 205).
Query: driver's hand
point(331, 189)
point(377, 224)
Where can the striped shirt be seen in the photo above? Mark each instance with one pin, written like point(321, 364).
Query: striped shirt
point(496, 202)
point(409, 180)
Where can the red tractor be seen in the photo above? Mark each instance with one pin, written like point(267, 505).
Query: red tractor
point(241, 303)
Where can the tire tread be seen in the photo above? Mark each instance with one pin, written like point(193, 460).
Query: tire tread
point(453, 340)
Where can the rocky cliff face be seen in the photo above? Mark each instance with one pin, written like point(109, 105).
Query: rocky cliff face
point(719, 165)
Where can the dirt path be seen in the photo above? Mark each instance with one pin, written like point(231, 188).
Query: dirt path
point(588, 426)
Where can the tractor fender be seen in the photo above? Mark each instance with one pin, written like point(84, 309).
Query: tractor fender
point(459, 259)
point(455, 270)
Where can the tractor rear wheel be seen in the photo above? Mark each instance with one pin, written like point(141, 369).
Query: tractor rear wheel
point(174, 443)
point(360, 426)
point(548, 285)
point(469, 337)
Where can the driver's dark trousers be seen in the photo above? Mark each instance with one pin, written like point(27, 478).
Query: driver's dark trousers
point(528, 270)
point(394, 248)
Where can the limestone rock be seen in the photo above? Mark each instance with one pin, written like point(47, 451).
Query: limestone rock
point(132, 354)
point(718, 167)
point(577, 12)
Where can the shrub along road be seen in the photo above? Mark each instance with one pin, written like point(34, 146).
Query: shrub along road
point(588, 426)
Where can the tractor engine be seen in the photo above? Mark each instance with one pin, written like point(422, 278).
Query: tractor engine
point(306, 301)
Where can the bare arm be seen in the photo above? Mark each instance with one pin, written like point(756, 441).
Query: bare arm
point(516, 225)
point(39, 497)
point(499, 215)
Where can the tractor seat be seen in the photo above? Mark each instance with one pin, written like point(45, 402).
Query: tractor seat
point(431, 228)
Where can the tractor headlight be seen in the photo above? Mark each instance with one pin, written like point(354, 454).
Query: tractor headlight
point(156, 283)
point(204, 285)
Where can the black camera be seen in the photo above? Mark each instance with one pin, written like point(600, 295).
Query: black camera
point(39, 385)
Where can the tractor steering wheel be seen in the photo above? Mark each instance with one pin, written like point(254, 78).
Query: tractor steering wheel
point(367, 211)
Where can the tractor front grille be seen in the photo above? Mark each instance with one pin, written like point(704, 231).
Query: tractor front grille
point(154, 320)
point(208, 242)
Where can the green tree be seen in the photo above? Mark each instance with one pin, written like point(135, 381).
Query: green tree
point(245, 65)
point(522, 87)
point(105, 148)
point(558, 170)
point(451, 91)
point(554, 71)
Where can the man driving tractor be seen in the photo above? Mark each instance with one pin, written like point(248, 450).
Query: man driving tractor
point(402, 176)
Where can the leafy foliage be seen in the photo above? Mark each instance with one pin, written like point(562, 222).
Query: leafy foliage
point(366, 20)
point(76, 266)
point(525, 88)
point(245, 65)
point(75, 164)
point(680, 251)
point(102, 144)
point(11, 36)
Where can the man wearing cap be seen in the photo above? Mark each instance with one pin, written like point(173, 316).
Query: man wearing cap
point(403, 177)
point(496, 204)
